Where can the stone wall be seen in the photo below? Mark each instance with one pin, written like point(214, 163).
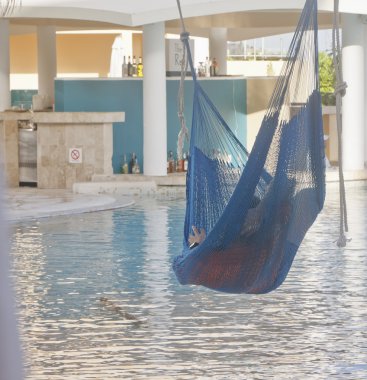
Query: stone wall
point(9, 156)
point(58, 133)
point(55, 166)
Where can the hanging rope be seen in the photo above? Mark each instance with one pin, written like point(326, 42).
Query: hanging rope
point(340, 90)
point(7, 7)
point(184, 132)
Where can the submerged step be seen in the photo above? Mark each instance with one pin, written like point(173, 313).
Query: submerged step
point(116, 187)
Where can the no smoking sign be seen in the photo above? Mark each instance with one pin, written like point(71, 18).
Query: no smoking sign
point(75, 155)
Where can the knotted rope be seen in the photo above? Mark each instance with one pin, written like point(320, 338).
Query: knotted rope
point(184, 132)
point(8, 7)
point(340, 90)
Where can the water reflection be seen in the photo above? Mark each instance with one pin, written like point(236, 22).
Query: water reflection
point(314, 326)
point(156, 278)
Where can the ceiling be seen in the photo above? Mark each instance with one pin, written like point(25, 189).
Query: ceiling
point(243, 18)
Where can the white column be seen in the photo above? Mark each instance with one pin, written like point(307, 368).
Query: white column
point(354, 100)
point(365, 92)
point(154, 100)
point(218, 48)
point(46, 46)
point(5, 100)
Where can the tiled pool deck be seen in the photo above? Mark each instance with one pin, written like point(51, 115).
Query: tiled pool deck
point(31, 203)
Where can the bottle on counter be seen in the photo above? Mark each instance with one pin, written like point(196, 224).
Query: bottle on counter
point(140, 68)
point(129, 67)
point(132, 163)
point(214, 68)
point(207, 67)
point(135, 67)
point(180, 164)
point(170, 162)
point(136, 167)
point(211, 68)
point(124, 68)
point(201, 70)
point(125, 166)
point(186, 162)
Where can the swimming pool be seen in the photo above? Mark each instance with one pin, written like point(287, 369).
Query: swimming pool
point(98, 300)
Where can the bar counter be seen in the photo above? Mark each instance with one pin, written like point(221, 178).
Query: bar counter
point(71, 146)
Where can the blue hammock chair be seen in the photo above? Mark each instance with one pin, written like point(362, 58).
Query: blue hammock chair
point(256, 207)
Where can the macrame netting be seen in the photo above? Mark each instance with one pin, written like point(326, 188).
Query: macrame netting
point(256, 208)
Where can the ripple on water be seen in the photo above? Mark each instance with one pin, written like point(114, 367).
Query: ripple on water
point(314, 326)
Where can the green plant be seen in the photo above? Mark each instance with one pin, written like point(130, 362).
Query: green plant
point(327, 77)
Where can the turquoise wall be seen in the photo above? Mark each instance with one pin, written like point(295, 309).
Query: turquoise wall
point(106, 95)
point(22, 98)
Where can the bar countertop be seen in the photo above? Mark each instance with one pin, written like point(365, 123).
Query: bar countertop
point(64, 117)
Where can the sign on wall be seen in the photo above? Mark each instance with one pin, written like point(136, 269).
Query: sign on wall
point(75, 156)
point(174, 52)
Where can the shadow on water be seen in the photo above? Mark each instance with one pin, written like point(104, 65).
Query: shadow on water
point(98, 299)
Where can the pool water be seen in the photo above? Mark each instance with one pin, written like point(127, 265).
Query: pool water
point(98, 300)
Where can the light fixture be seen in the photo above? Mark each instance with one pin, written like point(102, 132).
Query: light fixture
point(7, 7)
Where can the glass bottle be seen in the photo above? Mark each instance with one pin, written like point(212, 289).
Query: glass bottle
point(207, 67)
point(201, 69)
point(171, 162)
point(136, 167)
point(125, 166)
point(135, 68)
point(132, 163)
point(186, 162)
point(211, 68)
point(180, 164)
point(215, 67)
point(140, 68)
point(124, 68)
point(129, 67)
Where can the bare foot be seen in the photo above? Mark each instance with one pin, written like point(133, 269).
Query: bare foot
point(197, 237)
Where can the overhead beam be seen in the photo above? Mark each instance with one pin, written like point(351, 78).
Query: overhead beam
point(107, 11)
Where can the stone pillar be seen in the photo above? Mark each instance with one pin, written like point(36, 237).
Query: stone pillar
point(154, 100)
point(9, 152)
point(5, 100)
point(354, 100)
point(218, 48)
point(46, 43)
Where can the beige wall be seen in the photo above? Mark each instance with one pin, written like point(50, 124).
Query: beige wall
point(84, 53)
point(23, 54)
point(254, 68)
point(331, 144)
point(259, 91)
point(138, 45)
point(76, 53)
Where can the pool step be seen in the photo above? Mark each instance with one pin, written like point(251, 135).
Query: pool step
point(133, 184)
point(175, 179)
point(172, 184)
point(116, 187)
